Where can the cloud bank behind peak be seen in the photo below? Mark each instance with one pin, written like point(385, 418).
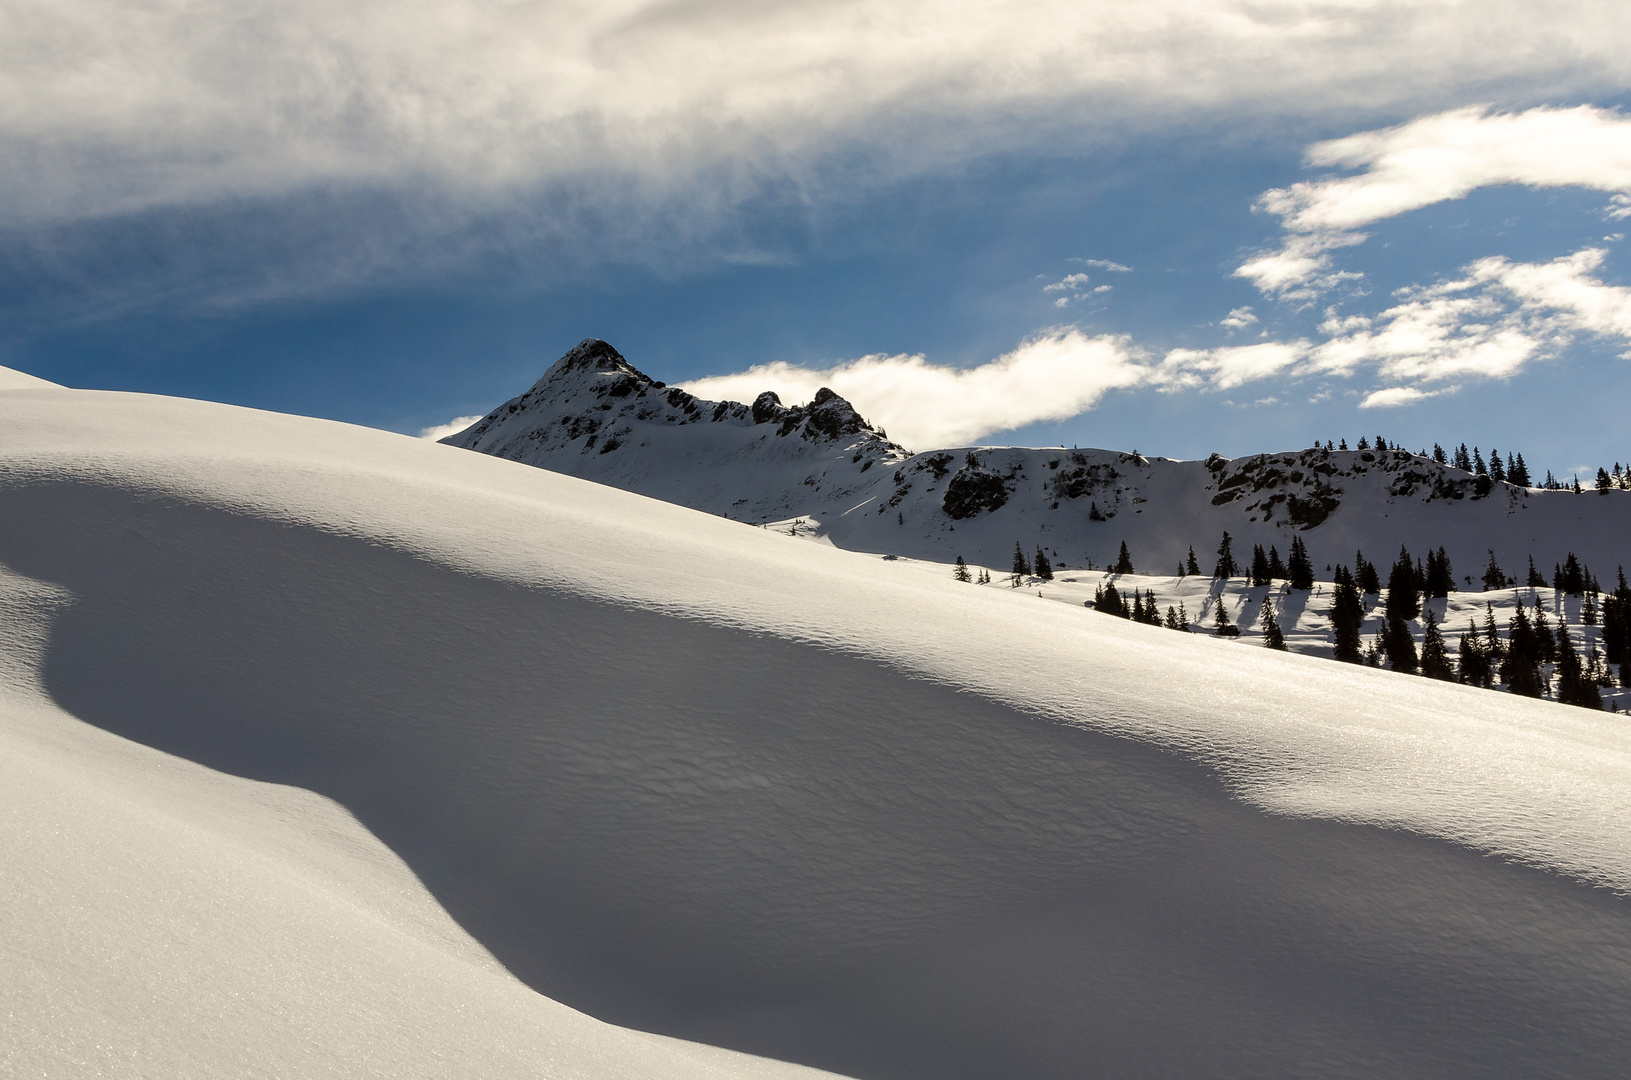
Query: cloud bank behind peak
point(108, 108)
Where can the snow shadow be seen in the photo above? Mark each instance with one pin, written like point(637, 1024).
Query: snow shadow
point(729, 837)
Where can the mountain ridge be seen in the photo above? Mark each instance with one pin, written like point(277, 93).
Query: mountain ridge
point(595, 416)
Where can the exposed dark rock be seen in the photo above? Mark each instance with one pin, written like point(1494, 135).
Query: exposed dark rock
point(972, 491)
point(767, 407)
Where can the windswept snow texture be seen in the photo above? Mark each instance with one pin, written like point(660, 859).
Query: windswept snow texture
point(709, 781)
point(594, 416)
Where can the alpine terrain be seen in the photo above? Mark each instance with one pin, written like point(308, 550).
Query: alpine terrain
point(331, 752)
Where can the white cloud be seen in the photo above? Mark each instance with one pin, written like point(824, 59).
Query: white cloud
point(107, 106)
point(1227, 368)
point(1106, 264)
point(1054, 376)
point(1102, 288)
point(1432, 159)
point(1301, 268)
point(1564, 287)
point(1071, 283)
point(1392, 397)
point(452, 427)
point(1491, 322)
point(1238, 318)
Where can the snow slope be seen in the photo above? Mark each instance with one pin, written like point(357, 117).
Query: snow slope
point(706, 780)
point(595, 416)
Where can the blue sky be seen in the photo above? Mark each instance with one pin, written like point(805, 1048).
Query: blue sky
point(1033, 217)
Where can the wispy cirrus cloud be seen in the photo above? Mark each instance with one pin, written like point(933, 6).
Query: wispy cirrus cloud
point(1433, 159)
point(107, 107)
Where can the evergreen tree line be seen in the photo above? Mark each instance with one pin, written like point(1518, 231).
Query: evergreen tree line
point(1297, 570)
point(1484, 658)
point(1569, 577)
point(1513, 469)
point(1144, 609)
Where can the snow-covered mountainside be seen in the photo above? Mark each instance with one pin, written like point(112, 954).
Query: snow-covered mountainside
point(330, 752)
point(594, 416)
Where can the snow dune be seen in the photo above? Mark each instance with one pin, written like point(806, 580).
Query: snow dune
point(363, 715)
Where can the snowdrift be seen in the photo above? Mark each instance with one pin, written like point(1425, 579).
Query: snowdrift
point(315, 735)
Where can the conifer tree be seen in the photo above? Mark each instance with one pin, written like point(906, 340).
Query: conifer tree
point(961, 571)
point(1473, 665)
point(1365, 575)
point(1573, 580)
point(1172, 618)
point(1299, 567)
point(1347, 614)
point(1226, 567)
point(1435, 659)
point(1272, 637)
point(1222, 624)
point(1497, 471)
point(985, 576)
point(1403, 600)
point(1343, 445)
point(1573, 688)
point(1440, 580)
point(1277, 569)
point(1044, 569)
point(1616, 620)
point(1463, 460)
point(1152, 611)
point(1109, 601)
point(1373, 651)
point(1439, 455)
point(1517, 472)
point(1190, 565)
point(1399, 646)
point(1493, 577)
point(1520, 668)
point(1094, 513)
point(1534, 580)
point(1478, 463)
point(1363, 444)
point(1260, 565)
point(1021, 569)
point(1183, 619)
point(1492, 636)
point(1138, 606)
point(1124, 561)
point(1545, 643)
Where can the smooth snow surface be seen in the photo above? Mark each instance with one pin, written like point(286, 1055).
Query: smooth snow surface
point(702, 779)
point(12, 379)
